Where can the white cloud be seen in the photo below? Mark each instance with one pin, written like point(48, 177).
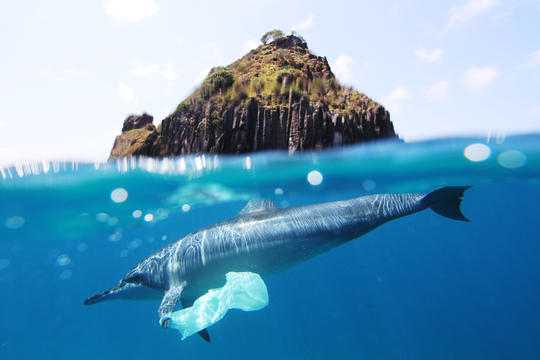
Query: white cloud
point(429, 56)
point(125, 93)
point(2, 124)
point(477, 79)
point(394, 100)
point(534, 111)
point(468, 11)
point(502, 16)
point(167, 72)
point(250, 45)
point(140, 69)
point(61, 76)
point(342, 67)
point(304, 24)
point(534, 58)
point(131, 10)
point(212, 51)
point(437, 91)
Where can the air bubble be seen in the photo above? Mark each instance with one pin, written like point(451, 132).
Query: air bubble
point(477, 152)
point(162, 214)
point(4, 263)
point(66, 274)
point(102, 217)
point(15, 222)
point(134, 244)
point(314, 178)
point(82, 247)
point(119, 195)
point(63, 260)
point(512, 159)
point(369, 185)
point(148, 217)
point(115, 236)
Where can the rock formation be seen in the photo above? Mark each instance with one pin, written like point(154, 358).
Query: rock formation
point(278, 96)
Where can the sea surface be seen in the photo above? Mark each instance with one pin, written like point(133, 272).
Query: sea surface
point(419, 287)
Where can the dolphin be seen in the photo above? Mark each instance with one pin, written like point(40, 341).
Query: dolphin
point(265, 239)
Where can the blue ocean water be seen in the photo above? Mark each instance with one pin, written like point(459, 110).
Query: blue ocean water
point(420, 287)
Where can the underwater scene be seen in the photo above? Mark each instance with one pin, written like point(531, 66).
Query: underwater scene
point(422, 286)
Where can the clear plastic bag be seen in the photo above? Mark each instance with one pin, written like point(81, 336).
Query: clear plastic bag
point(245, 291)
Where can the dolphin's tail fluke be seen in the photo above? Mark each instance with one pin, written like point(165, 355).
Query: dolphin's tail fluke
point(446, 201)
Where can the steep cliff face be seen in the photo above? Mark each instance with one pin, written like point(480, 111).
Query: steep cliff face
point(278, 96)
point(136, 136)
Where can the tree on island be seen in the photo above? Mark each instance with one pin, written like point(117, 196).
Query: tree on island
point(271, 35)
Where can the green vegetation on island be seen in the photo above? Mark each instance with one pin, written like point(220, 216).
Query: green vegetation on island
point(280, 68)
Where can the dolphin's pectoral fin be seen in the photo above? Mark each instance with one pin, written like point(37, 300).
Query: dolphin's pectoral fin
point(204, 332)
point(171, 298)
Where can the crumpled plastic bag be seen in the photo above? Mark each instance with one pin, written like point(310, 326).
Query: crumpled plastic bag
point(244, 290)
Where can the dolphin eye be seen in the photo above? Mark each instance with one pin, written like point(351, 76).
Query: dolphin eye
point(133, 278)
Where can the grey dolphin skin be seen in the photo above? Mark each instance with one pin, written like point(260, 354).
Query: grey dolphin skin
point(265, 239)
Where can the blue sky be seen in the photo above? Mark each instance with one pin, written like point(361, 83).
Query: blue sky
point(72, 71)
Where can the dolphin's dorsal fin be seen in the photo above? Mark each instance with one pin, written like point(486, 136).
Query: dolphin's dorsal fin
point(254, 206)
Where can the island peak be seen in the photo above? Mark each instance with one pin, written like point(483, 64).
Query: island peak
point(277, 96)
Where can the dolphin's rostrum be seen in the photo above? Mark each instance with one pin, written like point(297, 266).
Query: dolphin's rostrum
point(265, 239)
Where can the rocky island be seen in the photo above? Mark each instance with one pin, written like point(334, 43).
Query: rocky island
point(278, 96)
